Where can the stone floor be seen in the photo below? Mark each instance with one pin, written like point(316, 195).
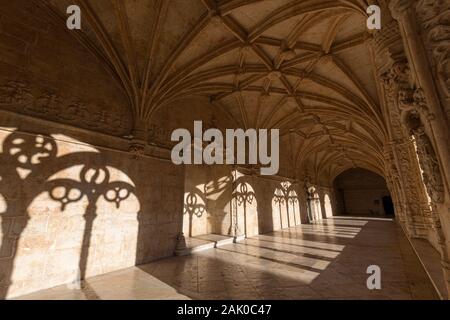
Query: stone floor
point(326, 260)
point(431, 259)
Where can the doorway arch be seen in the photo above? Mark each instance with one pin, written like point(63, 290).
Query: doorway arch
point(360, 192)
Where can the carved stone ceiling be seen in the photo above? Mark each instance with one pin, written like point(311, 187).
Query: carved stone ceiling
point(302, 66)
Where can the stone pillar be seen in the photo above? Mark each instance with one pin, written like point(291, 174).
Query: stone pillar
point(180, 246)
point(424, 27)
point(409, 197)
point(237, 220)
point(401, 164)
point(401, 158)
point(430, 18)
point(434, 20)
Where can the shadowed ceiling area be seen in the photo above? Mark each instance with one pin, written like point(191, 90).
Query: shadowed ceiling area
point(303, 67)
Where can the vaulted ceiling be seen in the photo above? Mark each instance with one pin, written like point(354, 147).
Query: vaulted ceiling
point(303, 66)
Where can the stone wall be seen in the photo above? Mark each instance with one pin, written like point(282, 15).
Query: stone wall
point(328, 201)
point(74, 207)
point(45, 73)
point(228, 201)
point(196, 214)
point(76, 204)
point(281, 204)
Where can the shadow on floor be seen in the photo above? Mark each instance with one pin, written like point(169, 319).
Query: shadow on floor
point(325, 260)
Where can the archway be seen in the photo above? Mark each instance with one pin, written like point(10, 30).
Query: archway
point(328, 206)
point(314, 206)
point(362, 193)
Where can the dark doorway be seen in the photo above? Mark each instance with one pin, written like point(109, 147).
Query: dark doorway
point(388, 206)
point(359, 192)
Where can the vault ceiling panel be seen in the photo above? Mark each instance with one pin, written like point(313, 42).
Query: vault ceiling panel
point(231, 58)
point(107, 16)
point(188, 37)
point(271, 51)
point(310, 86)
point(281, 30)
point(181, 18)
point(353, 24)
point(361, 67)
point(208, 39)
point(315, 33)
point(141, 15)
point(251, 15)
point(252, 58)
point(330, 71)
point(222, 79)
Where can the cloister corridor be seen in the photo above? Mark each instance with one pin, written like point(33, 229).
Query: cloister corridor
point(324, 260)
point(224, 149)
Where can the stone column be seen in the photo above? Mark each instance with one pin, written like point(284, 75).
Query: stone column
point(424, 27)
point(402, 163)
point(433, 182)
point(409, 196)
point(429, 17)
point(237, 227)
point(434, 20)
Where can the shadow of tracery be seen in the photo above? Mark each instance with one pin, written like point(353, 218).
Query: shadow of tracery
point(285, 197)
point(244, 196)
point(279, 200)
point(28, 164)
point(194, 205)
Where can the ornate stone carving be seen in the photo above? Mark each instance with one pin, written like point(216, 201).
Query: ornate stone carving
point(397, 75)
point(434, 16)
point(137, 147)
point(420, 104)
point(430, 166)
point(405, 98)
point(388, 46)
point(20, 97)
point(398, 93)
point(14, 92)
point(413, 100)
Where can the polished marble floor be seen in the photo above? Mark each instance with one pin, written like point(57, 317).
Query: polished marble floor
point(326, 260)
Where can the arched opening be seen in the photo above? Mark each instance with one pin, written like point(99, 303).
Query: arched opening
point(246, 210)
point(360, 192)
point(388, 206)
point(314, 206)
point(328, 206)
point(285, 207)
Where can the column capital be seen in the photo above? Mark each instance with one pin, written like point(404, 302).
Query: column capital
point(139, 137)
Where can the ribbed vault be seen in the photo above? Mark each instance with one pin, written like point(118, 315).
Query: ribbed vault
point(304, 67)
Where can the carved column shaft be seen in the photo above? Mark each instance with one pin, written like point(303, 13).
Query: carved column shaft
point(404, 12)
point(421, 21)
point(400, 158)
point(409, 197)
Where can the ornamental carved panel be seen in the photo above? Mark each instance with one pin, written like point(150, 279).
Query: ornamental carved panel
point(21, 98)
point(397, 88)
point(430, 166)
point(434, 16)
